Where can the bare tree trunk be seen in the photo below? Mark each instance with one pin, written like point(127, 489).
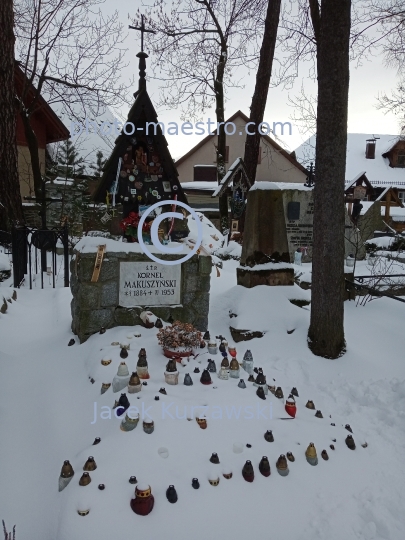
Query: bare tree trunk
point(221, 148)
point(263, 76)
point(10, 196)
point(332, 31)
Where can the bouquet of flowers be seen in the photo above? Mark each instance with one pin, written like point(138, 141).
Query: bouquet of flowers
point(179, 336)
point(130, 226)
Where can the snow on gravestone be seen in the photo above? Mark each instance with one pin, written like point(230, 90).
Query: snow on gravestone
point(149, 284)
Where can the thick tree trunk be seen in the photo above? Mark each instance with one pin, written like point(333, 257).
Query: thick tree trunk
point(263, 76)
point(326, 332)
point(10, 197)
point(221, 148)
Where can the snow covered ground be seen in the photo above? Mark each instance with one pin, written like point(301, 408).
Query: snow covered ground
point(47, 409)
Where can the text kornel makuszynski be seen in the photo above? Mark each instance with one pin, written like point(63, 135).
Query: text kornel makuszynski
point(146, 284)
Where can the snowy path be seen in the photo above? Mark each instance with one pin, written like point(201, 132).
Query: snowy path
point(38, 409)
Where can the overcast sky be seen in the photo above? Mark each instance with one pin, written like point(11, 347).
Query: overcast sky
point(366, 83)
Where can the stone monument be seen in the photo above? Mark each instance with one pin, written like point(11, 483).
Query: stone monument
point(130, 283)
point(266, 253)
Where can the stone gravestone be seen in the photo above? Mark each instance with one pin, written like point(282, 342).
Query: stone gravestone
point(129, 283)
point(265, 256)
point(279, 220)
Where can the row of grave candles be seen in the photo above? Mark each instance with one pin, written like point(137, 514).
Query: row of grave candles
point(143, 502)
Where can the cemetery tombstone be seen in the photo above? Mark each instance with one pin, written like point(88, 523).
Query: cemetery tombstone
point(130, 283)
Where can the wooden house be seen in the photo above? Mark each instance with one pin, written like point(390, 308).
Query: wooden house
point(48, 129)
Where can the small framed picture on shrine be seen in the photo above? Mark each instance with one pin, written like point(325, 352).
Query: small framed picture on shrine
point(235, 225)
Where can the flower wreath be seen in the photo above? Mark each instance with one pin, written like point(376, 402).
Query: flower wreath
point(130, 225)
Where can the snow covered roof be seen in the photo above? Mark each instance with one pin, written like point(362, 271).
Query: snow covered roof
point(391, 145)
point(237, 166)
point(280, 185)
point(209, 186)
point(358, 176)
point(204, 165)
point(378, 171)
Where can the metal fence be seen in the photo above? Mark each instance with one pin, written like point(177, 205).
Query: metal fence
point(29, 248)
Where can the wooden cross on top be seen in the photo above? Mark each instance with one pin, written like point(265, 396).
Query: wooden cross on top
point(142, 30)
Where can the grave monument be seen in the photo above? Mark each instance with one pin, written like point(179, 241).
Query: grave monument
point(113, 282)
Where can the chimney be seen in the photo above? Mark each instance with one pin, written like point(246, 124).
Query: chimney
point(370, 148)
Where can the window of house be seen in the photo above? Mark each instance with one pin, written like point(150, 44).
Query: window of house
point(205, 173)
point(401, 196)
point(401, 159)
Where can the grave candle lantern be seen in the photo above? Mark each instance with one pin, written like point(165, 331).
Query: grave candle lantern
point(129, 423)
point(310, 454)
point(148, 426)
point(188, 381)
point(223, 373)
point(234, 369)
point(121, 379)
point(85, 479)
point(171, 373)
point(205, 377)
point(232, 351)
point(247, 362)
point(66, 475)
point(212, 368)
point(202, 422)
point(248, 472)
point(350, 442)
point(122, 404)
point(171, 494)
point(212, 347)
point(269, 436)
point(105, 387)
point(142, 365)
point(134, 385)
point(261, 381)
point(195, 483)
point(90, 464)
point(282, 466)
point(290, 457)
point(260, 392)
point(213, 478)
point(144, 501)
point(290, 406)
point(264, 466)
